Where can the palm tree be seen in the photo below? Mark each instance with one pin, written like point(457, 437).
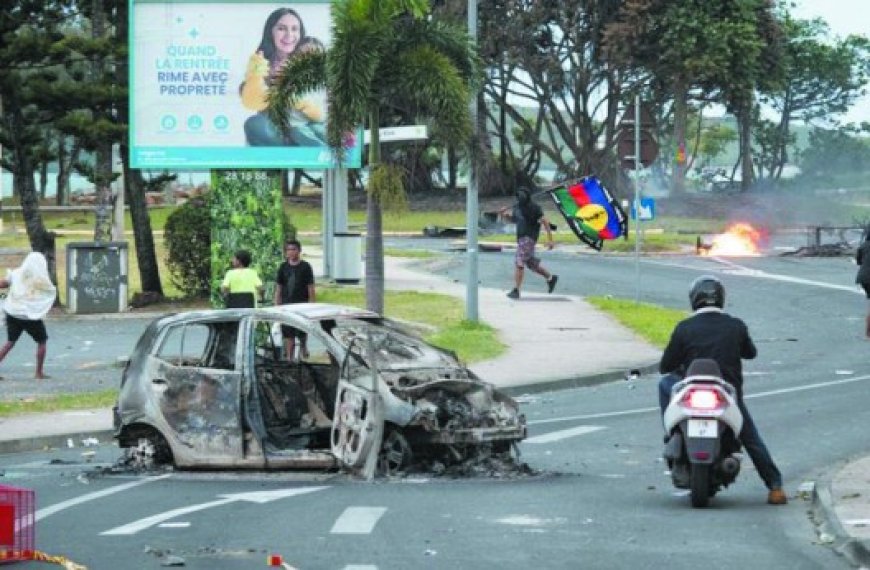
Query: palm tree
point(388, 61)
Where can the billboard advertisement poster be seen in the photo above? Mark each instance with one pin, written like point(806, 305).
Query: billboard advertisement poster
point(199, 73)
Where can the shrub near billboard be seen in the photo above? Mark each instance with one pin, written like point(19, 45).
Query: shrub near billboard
point(199, 73)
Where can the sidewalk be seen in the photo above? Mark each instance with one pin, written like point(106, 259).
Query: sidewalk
point(841, 507)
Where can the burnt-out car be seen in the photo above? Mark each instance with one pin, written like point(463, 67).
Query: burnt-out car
point(211, 389)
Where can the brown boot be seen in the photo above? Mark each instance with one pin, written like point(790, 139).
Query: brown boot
point(867, 326)
point(776, 497)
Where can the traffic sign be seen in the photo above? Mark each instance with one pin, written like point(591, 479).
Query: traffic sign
point(647, 210)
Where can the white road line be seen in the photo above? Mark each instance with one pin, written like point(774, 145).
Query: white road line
point(259, 497)
point(592, 416)
point(357, 520)
point(48, 511)
point(147, 522)
point(743, 271)
point(803, 388)
point(809, 387)
point(562, 434)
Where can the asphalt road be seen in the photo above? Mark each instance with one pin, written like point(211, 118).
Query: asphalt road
point(600, 498)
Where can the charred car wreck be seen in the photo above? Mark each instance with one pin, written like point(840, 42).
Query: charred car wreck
point(213, 389)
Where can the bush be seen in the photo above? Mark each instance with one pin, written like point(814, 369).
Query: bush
point(187, 235)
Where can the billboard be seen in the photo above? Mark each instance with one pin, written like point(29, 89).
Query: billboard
point(199, 72)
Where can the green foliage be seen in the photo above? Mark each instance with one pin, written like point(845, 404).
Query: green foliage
point(187, 236)
point(247, 212)
point(833, 151)
point(714, 140)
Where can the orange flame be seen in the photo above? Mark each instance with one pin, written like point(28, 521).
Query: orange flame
point(739, 239)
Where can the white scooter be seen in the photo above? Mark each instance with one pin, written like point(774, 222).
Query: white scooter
point(702, 424)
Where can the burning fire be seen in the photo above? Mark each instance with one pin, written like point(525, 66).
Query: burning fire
point(739, 239)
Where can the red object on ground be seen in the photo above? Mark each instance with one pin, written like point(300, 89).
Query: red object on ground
point(275, 560)
point(17, 524)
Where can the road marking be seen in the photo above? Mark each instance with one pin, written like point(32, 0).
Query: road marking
point(743, 271)
point(256, 497)
point(591, 416)
point(174, 525)
point(635, 411)
point(48, 511)
point(808, 387)
point(562, 434)
point(357, 520)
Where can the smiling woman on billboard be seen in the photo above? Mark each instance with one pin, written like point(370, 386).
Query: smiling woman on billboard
point(283, 37)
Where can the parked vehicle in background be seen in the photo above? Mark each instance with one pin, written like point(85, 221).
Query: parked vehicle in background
point(718, 180)
point(213, 389)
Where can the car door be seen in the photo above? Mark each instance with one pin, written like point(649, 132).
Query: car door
point(197, 387)
point(358, 418)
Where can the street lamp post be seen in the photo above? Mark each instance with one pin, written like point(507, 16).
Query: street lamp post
point(471, 205)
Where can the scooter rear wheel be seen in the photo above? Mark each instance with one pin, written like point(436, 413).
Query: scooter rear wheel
point(701, 484)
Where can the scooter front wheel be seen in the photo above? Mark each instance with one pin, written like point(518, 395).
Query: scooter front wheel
point(701, 482)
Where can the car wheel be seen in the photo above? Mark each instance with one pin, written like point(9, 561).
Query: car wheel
point(150, 451)
point(395, 454)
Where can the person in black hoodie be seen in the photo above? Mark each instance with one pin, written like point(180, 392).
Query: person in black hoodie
point(712, 333)
point(529, 218)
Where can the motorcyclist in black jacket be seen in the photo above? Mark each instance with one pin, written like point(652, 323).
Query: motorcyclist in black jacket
point(712, 333)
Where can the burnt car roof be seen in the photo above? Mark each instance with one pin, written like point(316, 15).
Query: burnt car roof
point(309, 311)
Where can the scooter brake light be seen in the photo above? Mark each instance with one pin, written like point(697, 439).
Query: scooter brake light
point(703, 399)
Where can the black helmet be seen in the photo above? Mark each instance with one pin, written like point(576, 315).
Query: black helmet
point(706, 291)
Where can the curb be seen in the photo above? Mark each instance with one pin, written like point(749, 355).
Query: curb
point(828, 523)
point(58, 441)
point(577, 382)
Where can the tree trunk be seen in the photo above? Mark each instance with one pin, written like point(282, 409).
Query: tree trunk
point(374, 228)
point(452, 167)
point(62, 178)
point(681, 110)
point(143, 236)
point(297, 183)
point(43, 179)
point(784, 127)
point(744, 118)
point(41, 240)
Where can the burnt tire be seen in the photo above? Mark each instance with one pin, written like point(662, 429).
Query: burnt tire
point(149, 451)
point(395, 454)
point(701, 485)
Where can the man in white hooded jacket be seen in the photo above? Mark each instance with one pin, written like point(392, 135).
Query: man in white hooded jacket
point(31, 295)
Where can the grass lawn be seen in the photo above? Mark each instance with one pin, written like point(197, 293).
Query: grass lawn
point(653, 323)
point(87, 400)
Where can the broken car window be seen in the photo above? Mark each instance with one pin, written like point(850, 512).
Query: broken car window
point(207, 345)
point(184, 345)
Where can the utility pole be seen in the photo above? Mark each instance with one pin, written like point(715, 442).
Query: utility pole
point(471, 205)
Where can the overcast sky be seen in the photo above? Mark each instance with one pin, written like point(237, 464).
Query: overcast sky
point(844, 17)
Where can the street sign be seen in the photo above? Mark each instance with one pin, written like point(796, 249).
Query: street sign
point(647, 210)
point(407, 133)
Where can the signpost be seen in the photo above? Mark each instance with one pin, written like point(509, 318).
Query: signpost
point(642, 152)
